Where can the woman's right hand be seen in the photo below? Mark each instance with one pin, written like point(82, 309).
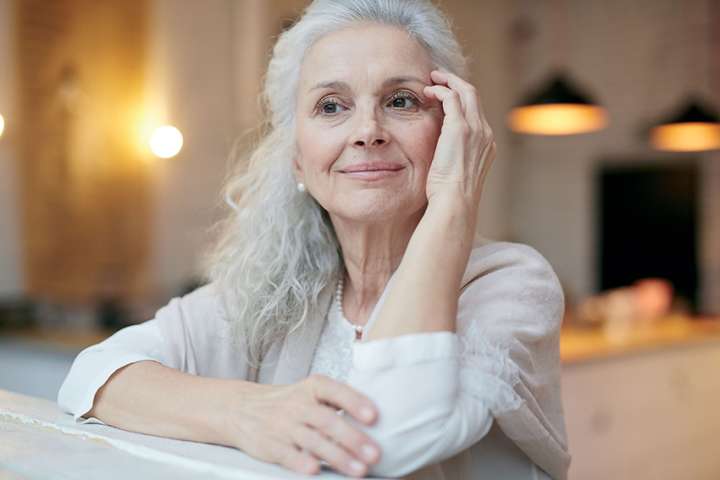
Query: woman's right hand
point(298, 425)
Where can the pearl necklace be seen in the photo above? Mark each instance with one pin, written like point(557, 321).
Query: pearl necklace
point(339, 300)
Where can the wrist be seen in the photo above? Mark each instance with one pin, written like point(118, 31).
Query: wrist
point(228, 416)
point(453, 214)
point(442, 241)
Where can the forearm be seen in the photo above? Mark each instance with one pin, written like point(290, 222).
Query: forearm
point(151, 398)
point(424, 294)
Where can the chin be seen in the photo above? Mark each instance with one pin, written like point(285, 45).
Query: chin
point(363, 216)
point(384, 209)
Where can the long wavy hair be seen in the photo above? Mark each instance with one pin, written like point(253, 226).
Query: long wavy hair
point(277, 249)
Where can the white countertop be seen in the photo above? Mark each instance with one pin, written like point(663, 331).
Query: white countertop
point(41, 441)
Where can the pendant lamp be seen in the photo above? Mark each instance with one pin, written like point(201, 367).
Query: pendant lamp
point(558, 107)
point(693, 128)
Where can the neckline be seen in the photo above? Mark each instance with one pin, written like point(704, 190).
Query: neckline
point(373, 313)
point(346, 324)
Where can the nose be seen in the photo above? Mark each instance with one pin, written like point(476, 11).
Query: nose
point(369, 131)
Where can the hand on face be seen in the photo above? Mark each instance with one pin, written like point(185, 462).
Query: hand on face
point(466, 146)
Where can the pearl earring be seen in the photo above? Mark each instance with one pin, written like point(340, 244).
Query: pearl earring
point(301, 187)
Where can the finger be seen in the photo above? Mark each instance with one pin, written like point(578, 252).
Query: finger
point(441, 78)
point(346, 398)
point(322, 447)
point(467, 92)
point(488, 158)
point(297, 460)
point(450, 102)
point(358, 443)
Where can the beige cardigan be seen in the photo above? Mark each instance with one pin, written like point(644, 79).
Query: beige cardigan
point(509, 314)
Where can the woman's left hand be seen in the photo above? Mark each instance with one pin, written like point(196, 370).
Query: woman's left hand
point(466, 146)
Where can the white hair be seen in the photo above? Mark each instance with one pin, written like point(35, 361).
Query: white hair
point(277, 249)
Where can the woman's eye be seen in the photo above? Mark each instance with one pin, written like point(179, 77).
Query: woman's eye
point(329, 107)
point(403, 100)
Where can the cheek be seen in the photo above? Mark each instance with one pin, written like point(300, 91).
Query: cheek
point(422, 139)
point(319, 147)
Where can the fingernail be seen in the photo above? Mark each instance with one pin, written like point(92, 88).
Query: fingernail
point(369, 452)
point(366, 413)
point(356, 466)
point(310, 466)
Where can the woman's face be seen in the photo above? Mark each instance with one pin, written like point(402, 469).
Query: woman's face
point(360, 106)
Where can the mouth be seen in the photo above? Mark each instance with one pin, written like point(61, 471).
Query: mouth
point(373, 167)
point(373, 175)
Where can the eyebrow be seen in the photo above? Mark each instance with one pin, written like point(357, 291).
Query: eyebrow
point(338, 85)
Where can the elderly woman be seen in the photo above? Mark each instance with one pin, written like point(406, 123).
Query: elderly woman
point(353, 318)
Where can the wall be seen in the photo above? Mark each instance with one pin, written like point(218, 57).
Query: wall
point(190, 80)
point(205, 65)
point(482, 29)
point(639, 59)
point(84, 184)
point(11, 281)
point(710, 240)
point(206, 61)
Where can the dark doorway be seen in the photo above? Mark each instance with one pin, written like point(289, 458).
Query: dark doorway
point(648, 223)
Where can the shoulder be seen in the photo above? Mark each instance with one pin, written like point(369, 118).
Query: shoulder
point(514, 279)
point(196, 335)
point(200, 305)
point(204, 298)
point(512, 259)
point(509, 319)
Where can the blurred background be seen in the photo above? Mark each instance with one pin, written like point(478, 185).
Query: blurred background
point(118, 119)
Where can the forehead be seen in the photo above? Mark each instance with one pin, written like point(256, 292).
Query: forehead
point(364, 51)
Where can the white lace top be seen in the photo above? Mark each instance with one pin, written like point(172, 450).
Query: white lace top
point(334, 354)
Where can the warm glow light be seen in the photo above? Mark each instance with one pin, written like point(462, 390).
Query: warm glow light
point(2, 125)
point(557, 119)
point(166, 141)
point(686, 137)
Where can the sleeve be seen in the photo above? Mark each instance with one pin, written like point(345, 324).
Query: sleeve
point(165, 339)
point(94, 365)
point(424, 418)
point(438, 393)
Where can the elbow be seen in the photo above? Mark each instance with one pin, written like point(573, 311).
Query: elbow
point(89, 372)
point(408, 444)
point(414, 428)
point(413, 382)
point(67, 396)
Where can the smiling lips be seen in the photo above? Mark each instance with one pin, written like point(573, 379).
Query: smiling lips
point(372, 166)
point(373, 170)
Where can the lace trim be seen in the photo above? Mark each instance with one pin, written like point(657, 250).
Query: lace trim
point(487, 372)
point(333, 355)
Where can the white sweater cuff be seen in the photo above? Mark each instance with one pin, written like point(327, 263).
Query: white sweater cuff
point(403, 350)
point(77, 395)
